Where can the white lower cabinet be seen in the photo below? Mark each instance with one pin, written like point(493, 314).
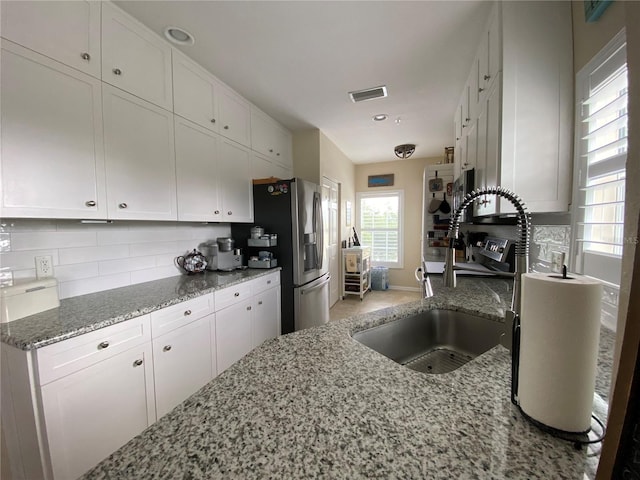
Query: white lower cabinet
point(233, 333)
point(182, 363)
point(68, 405)
point(266, 315)
point(93, 412)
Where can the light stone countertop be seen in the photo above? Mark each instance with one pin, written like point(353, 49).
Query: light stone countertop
point(78, 315)
point(317, 404)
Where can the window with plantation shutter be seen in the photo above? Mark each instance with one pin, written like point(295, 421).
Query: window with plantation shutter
point(601, 155)
point(379, 224)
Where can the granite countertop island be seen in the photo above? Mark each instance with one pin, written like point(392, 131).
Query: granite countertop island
point(85, 313)
point(317, 404)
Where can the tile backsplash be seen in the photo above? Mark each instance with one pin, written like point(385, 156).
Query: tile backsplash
point(89, 258)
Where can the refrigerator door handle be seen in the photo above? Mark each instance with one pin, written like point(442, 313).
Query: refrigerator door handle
point(315, 286)
point(318, 227)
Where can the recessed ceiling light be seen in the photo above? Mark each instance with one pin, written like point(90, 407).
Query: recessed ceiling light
point(380, 117)
point(179, 36)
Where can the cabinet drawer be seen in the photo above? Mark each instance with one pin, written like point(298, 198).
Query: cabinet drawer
point(229, 296)
point(265, 282)
point(62, 358)
point(170, 318)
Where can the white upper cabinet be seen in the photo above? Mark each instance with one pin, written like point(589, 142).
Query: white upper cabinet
point(194, 92)
point(68, 31)
point(52, 148)
point(269, 138)
point(235, 117)
point(236, 188)
point(197, 173)
point(134, 58)
point(263, 167)
point(139, 157)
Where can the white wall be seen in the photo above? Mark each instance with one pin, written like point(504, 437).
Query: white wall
point(89, 258)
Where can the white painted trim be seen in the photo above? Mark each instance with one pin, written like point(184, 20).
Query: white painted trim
point(406, 289)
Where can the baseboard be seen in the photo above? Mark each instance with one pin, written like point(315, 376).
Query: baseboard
point(406, 289)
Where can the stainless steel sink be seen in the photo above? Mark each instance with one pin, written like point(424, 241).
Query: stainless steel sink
point(435, 341)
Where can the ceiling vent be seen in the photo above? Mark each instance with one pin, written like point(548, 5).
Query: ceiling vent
point(368, 94)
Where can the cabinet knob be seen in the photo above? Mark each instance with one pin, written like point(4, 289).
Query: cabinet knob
point(467, 120)
point(137, 363)
point(487, 77)
point(248, 308)
point(122, 205)
point(237, 294)
point(86, 56)
point(166, 348)
point(464, 126)
point(117, 71)
point(226, 127)
point(90, 203)
point(187, 313)
point(278, 154)
point(480, 90)
point(217, 212)
point(268, 282)
point(213, 120)
point(103, 345)
point(260, 302)
point(271, 150)
point(229, 212)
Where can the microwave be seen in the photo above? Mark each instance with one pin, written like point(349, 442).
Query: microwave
point(462, 186)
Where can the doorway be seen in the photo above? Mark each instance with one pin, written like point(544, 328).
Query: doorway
point(330, 202)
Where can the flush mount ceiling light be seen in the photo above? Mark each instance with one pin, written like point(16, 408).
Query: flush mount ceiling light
point(404, 151)
point(368, 94)
point(179, 36)
point(380, 117)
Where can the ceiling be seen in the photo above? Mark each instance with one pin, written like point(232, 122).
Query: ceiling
point(297, 61)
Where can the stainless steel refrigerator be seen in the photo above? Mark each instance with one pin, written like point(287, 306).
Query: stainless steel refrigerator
point(293, 210)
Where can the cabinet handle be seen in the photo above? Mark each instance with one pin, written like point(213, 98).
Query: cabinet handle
point(187, 313)
point(103, 345)
point(248, 308)
point(117, 71)
point(90, 203)
point(237, 294)
point(86, 56)
point(122, 205)
point(226, 127)
point(260, 302)
point(229, 212)
point(487, 77)
point(213, 120)
point(166, 348)
point(467, 120)
point(217, 212)
point(137, 363)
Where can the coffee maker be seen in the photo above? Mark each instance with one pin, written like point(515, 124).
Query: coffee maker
point(221, 255)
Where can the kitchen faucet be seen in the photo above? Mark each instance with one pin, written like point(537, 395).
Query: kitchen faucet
point(512, 317)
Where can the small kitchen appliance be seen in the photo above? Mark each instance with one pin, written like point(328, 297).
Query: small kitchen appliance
point(194, 262)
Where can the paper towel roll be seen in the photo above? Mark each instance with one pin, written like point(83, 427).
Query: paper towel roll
point(560, 328)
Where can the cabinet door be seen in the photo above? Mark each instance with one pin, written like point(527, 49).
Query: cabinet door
point(263, 138)
point(236, 189)
point(68, 32)
point(93, 412)
point(484, 78)
point(492, 146)
point(494, 49)
point(181, 363)
point(135, 58)
point(471, 146)
point(52, 148)
point(194, 93)
point(262, 167)
point(233, 334)
point(197, 173)
point(235, 117)
point(140, 158)
point(266, 315)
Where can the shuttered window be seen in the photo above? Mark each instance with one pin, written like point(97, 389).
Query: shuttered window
point(601, 155)
point(380, 226)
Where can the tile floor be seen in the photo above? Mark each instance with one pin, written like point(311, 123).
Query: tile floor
point(372, 300)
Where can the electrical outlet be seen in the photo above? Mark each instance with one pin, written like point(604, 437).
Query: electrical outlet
point(44, 266)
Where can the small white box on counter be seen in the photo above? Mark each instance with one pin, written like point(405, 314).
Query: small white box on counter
point(28, 298)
